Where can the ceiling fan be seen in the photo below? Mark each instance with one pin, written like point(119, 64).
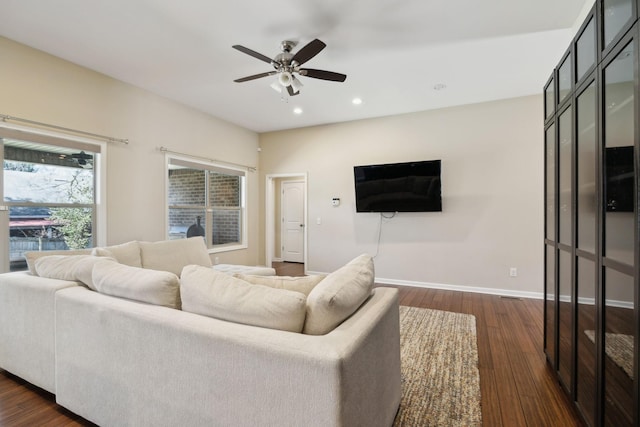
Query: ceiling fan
point(81, 159)
point(287, 65)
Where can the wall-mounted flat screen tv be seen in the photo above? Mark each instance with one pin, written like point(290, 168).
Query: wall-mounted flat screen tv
point(398, 187)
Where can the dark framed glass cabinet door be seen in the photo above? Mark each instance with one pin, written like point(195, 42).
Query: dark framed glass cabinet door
point(619, 235)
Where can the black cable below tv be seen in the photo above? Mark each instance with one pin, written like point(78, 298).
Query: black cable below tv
point(398, 187)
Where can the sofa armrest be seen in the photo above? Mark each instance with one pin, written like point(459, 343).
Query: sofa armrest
point(120, 362)
point(27, 333)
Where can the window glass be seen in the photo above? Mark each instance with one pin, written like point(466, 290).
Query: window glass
point(50, 192)
point(206, 200)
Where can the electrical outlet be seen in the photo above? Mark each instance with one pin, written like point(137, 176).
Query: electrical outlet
point(216, 260)
point(513, 272)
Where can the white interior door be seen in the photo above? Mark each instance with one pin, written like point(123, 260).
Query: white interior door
point(292, 221)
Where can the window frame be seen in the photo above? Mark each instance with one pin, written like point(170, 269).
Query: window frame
point(52, 138)
point(213, 166)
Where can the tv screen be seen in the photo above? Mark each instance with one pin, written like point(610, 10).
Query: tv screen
point(619, 181)
point(398, 187)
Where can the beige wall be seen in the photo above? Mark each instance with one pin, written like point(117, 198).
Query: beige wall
point(492, 185)
point(40, 87)
point(492, 173)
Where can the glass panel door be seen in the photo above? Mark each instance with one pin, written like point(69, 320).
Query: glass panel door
point(586, 50)
point(619, 182)
point(550, 304)
point(565, 322)
point(586, 169)
point(564, 79)
point(564, 177)
point(616, 14)
point(549, 99)
point(619, 342)
point(586, 369)
point(550, 190)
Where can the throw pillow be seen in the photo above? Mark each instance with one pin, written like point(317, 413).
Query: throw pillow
point(211, 293)
point(339, 295)
point(302, 284)
point(139, 284)
point(174, 255)
point(78, 268)
point(32, 256)
point(125, 253)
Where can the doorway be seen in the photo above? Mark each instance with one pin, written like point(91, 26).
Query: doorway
point(286, 213)
point(292, 221)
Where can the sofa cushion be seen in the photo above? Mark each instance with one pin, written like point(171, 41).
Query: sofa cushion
point(78, 268)
point(302, 284)
point(139, 284)
point(173, 255)
point(339, 295)
point(32, 256)
point(211, 293)
point(125, 253)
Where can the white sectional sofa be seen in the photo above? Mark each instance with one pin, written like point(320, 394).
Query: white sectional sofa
point(122, 361)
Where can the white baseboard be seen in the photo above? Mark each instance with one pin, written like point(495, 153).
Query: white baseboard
point(276, 259)
point(459, 288)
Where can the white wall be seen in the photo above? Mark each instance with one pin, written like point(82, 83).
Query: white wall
point(40, 87)
point(492, 186)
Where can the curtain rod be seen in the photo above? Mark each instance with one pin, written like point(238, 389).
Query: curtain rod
point(5, 117)
point(166, 150)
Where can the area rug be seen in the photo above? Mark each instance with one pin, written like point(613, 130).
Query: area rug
point(619, 347)
point(440, 377)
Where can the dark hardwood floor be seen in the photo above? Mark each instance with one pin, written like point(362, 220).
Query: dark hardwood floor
point(517, 386)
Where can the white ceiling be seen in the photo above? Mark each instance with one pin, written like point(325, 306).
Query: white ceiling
point(393, 51)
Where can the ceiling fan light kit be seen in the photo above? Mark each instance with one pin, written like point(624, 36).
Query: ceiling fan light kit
point(286, 65)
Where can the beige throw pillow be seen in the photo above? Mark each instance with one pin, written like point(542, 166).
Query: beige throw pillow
point(174, 255)
point(139, 284)
point(339, 295)
point(77, 268)
point(302, 284)
point(211, 293)
point(125, 253)
point(32, 256)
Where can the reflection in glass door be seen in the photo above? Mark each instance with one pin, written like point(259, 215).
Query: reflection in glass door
point(586, 274)
point(619, 238)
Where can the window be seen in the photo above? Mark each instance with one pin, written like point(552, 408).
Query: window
point(49, 189)
point(207, 199)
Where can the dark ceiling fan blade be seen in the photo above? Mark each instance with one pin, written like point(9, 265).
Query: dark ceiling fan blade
point(322, 74)
point(255, 76)
point(291, 92)
point(310, 50)
point(253, 53)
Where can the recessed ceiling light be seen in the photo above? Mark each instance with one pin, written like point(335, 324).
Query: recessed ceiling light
point(356, 101)
point(297, 110)
point(439, 86)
